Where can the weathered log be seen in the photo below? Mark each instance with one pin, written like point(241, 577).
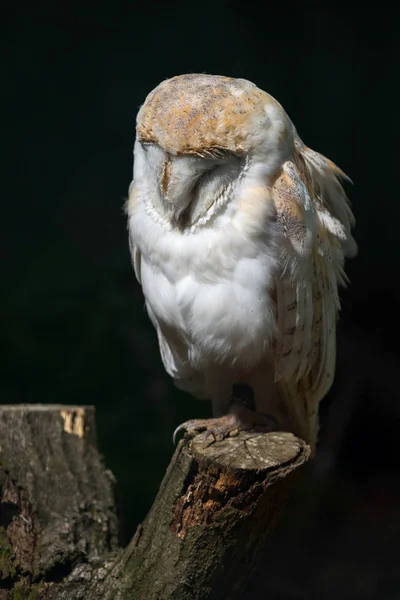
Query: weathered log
point(57, 504)
point(209, 522)
point(201, 539)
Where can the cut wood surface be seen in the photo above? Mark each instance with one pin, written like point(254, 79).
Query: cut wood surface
point(202, 538)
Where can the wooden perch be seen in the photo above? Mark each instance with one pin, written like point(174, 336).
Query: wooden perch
point(201, 539)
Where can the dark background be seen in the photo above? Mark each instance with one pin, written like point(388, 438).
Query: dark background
point(74, 328)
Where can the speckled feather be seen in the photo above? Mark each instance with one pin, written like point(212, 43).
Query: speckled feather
point(207, 112)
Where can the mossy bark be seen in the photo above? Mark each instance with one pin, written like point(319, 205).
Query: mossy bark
point(57, 505)
point(201, 539)
point(209, 522)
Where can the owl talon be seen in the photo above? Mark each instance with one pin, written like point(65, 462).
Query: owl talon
point(216, 429)
point(192, 427)
point(217, 434)
point(219, 427)
point(182, 427)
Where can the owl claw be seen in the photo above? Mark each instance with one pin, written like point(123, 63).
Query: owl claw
point(192, 427)
point(218, 433)
point(177, 430)
point(216, 429)
point(181, 427)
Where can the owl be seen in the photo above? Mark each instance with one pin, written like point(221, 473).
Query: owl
point(238, 234)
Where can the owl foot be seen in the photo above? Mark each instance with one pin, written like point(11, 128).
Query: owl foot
point(240, 418)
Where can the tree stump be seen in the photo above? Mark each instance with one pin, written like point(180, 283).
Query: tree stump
point(201, 539)
point(57, 504)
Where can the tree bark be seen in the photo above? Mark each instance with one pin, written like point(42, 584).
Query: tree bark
point(57, 503)
point(201, 539)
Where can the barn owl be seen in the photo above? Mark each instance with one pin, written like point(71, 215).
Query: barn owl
point(238, 233)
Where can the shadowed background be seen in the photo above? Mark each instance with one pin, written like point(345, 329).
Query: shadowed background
point(74, 329)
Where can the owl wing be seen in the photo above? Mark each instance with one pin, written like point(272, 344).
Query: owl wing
point(313, 219)
point(136, 258)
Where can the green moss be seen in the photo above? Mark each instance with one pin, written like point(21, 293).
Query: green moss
point(7, 569)
point(21, 592)
point(3, 538)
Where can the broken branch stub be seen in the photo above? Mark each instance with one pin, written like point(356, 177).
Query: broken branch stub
point(210, 520)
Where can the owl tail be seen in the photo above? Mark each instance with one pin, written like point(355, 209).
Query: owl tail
point(302, 410)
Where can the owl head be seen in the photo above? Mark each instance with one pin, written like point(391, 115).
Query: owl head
point(199, 136)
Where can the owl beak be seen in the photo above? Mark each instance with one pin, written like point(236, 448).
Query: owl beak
point(165, 177)
point(175, 187)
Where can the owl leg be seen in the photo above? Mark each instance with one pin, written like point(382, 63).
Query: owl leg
point(241, 417)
